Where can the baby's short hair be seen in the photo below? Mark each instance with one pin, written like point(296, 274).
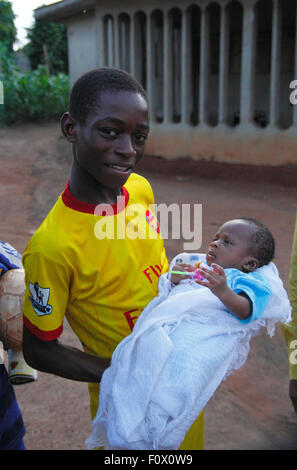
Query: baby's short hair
point(86, 91)
point(262, 244)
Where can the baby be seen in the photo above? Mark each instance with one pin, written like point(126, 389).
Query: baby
point(190, 338)
point(244, 245)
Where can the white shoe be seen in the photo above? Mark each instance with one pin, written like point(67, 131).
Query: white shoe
point(19, 371)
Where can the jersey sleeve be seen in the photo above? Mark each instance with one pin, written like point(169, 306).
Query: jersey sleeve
point(164, 261)
point(47, 291)
point(140, 185)
point(290, 330)
point(254, 286)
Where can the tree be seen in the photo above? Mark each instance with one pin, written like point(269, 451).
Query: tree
point(48, 45)
point(8, 32)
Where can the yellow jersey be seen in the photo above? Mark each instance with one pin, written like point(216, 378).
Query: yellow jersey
point(98, 267)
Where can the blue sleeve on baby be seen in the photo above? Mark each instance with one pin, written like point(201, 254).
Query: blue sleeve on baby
point(254, 286)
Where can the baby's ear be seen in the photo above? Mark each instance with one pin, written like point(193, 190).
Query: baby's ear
point(250, 264)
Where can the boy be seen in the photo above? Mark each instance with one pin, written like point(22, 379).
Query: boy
point(101, 283)
point(290, 331)
point(12, 428)
point(189, 339)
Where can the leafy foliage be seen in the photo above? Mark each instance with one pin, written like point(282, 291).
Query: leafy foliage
point(30, 96)
point(53, 36)
point(8, 31)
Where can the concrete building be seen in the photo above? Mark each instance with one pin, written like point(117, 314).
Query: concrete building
point(218, 73)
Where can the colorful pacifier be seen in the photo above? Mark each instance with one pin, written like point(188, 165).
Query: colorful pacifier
point(197, 275)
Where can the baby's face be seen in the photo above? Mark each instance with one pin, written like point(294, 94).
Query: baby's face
point(229, 247)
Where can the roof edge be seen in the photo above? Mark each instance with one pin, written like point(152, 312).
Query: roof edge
point(63, 9)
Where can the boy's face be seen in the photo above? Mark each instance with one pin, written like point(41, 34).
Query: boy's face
point(112, 140)
point(229, 247)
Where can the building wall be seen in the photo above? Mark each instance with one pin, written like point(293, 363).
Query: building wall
point(217, 73)
point(82, 44)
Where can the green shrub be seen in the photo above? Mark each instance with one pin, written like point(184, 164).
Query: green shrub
point(31, 96)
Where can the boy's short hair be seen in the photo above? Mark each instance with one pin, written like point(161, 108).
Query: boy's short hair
point(85, 93)
point(262, 243)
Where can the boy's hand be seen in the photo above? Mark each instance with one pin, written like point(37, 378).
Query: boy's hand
point(215, 279)
point(293, 393)
point(183, 267)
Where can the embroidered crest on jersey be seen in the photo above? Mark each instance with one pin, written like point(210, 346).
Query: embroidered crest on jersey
point(39, 299)
point(152, 221)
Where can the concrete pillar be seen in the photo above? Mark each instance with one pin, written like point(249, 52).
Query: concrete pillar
point(295, 74)
point(123, 44)
point(275, 65)
point(167, 104)
point(99, 39)
point(132, 46)
point(185, 66)
point(176, 72)
point(204, 66)
point(138, 52)
point(224, 66)
point(116, 41)
point(248, 65)
point(109, 45)
point(149, 72)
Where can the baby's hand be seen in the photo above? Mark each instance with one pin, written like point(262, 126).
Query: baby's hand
point(215, 279)
point(182, 267)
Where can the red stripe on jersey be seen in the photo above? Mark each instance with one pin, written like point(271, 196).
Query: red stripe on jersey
point(41, 334)
point(81, 206)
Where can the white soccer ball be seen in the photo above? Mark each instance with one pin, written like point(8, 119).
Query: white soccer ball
point(12, 293)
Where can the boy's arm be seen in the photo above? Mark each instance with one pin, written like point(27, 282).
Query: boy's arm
point(65, 361)
point(43, 349)
point(238, 304)
point(290, 330)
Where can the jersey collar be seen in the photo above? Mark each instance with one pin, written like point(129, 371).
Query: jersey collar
point(73, 203)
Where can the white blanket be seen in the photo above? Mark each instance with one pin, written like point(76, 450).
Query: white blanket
point(163, 374)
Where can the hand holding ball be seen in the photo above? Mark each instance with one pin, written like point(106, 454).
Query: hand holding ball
point(12, 294)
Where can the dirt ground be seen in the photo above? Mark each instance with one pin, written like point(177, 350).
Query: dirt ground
point(251, 410)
